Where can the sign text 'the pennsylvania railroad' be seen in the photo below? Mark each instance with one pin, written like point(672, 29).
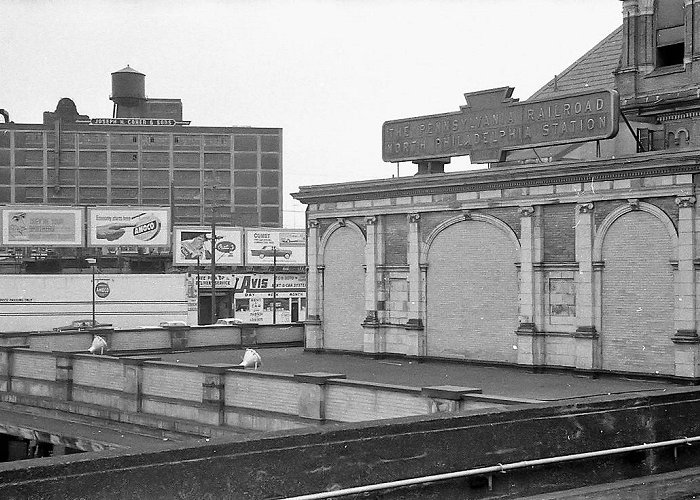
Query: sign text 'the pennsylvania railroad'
point(492, 123)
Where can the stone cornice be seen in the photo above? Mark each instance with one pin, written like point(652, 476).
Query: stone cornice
point(636, 166)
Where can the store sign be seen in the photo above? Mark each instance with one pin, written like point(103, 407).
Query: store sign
point(27, 226)
point(119, 226)
point(253, 283)
point(194, 245)
point(267, 246)
point(492, 123)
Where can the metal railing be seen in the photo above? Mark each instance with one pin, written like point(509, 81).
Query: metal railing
point(494, 469)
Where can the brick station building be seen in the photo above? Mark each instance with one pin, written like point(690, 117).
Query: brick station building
point(582, 256)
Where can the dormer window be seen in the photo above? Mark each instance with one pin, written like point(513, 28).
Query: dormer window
point(670, 32)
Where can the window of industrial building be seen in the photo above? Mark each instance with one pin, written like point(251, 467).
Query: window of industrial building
point(155, 178)
point(670, 32)
point(246, 196)
point(122, 141)
point(269, 179)
point(92, 195)
point(63, 195)
point(92, 177)
point(5, 195)
point(66, 177)
point(270, 161)
point(125, 160)
point(93, 159)
point(92, 141)
point(4, 158)
point(270, 143)
point(222, 177)
point(217, 160)
point(5, 176)
point(36, 195)
point(4, 138)
point(29, 157)
point(190, 160)
point(187, 141)
point(68, 140)
point(217, 142)
point(245, 143)
point(187, 195)
point(186, 177)
point(125, 196)
point(245, 179)
point(125, 177)
point(245, 161)
point(155, 160)
point(269, 215)
point(269, 197)
point(66, 159)
point(30, 176)
point(29, 139)
point(156, 141)
point(153, 196)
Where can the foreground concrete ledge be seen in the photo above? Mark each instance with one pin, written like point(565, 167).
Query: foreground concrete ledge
point(217, 367)
point(451, 392)
point(503, 400)
point(317, 377)
point(376, 385)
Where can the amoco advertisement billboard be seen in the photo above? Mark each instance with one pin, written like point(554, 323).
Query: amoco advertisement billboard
point(118, 226)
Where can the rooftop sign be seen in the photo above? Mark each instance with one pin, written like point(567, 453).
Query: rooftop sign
point(492, 123)
point(150, 122)
point(132, 121)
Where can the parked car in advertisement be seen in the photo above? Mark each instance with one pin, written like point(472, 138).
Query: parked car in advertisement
point(269, 251)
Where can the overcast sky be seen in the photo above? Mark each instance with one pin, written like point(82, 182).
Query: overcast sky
point(329, 73)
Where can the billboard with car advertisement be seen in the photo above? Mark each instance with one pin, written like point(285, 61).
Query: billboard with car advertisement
point(194, 245)
point(124, 226)
point(24, 226)
point(262, 244)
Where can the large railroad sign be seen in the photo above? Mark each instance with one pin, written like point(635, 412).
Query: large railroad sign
point(492, 123)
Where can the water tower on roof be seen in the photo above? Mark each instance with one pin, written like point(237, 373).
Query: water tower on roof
point(128, 92)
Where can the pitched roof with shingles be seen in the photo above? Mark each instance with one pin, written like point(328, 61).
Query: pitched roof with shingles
point(593, 70)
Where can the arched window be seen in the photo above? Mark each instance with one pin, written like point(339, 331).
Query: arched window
point(670, 32)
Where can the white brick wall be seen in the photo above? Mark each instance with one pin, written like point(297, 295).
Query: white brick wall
point(279, 394)
point(33, 365)
point(348, 403)
point(177, 383)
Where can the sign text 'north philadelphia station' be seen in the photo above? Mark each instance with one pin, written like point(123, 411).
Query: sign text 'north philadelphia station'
point(492, 123)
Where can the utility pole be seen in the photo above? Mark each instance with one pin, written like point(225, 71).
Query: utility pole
point(92, 263)
point(213, 254)
point(274, 285)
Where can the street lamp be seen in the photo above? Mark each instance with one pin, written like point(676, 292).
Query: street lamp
point(92, 263)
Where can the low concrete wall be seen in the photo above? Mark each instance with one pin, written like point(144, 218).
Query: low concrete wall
point(348, 455)
point(156, 338)
point(207, 398)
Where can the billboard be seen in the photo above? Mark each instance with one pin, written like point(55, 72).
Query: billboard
point(263, 244)
point(128, 226)
point(194, 245)
point(28, 226)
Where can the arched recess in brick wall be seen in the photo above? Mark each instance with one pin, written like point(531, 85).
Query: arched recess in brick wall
point(637, 245)
point(472, 289)
point(342, 253)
